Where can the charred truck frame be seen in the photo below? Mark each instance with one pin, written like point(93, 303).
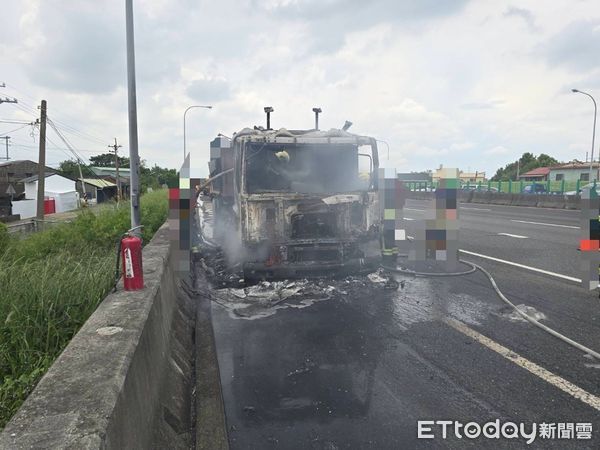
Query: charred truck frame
point(293, 202)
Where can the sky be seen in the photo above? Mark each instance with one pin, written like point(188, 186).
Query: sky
point(466, 84)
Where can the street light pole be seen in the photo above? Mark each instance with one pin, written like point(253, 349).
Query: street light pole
point(134, 160)
point(388, 147)
point(184, 114)
point(593, 130)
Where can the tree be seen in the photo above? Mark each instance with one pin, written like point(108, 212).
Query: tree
point(525, 163)
point(156, 176)
point(108, 160)
point(70, 169)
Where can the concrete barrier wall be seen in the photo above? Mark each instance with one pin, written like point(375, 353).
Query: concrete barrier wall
point(124, 381)
point(525, 199)
point(572, 202)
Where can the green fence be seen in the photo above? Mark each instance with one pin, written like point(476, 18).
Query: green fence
point(513, 187)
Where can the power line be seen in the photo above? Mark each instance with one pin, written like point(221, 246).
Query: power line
point(16, 129)
point(30, 109)
point(56, 121)
point(57, 147)
point(62, 138)
point(15, 121)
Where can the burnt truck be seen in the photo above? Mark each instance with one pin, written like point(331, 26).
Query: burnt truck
point(296, 202)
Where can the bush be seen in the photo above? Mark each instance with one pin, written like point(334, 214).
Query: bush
point(3, 238)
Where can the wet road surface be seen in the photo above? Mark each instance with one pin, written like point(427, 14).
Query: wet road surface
point(357, 368)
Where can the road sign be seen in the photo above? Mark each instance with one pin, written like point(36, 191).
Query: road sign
point(11, 190)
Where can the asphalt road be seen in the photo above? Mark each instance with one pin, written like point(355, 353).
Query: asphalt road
point(362, 365)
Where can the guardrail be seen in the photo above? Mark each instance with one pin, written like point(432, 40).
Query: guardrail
point(503, 198)
point(508, 187)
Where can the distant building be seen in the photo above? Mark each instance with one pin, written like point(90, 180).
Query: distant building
point(57, 188)
point(98, 190)
point(539, 174)
point(13, 172)
point(464, 177)
point(103, 171)
point(110, 174)
point(573, 171)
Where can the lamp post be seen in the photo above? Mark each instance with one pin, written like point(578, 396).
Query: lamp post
point(388, 147)
point(593, 130)
point(184, 114)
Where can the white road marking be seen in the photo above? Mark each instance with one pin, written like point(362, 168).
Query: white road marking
point(544, 374)
point(412, 209)
point(546, 224)
point(475, 209)
point(518, 236)
point(522, 266)
point(408, 218)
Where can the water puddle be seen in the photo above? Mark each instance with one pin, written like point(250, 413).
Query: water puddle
point(514, 316)
point(427, 300)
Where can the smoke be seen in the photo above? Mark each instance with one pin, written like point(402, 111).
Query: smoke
point(307, 169)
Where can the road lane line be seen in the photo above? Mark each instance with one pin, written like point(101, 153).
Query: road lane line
point(546, 224)
point(518, 236)
point(475, 209)
point(412, 209)
point(555, 380)
point(408, 218)
point(522, 266)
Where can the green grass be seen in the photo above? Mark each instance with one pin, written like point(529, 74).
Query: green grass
point(51, 282)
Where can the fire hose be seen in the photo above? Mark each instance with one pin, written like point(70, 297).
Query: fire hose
point(475, 267)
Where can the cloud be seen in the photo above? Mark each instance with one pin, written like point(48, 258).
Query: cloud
point(498, 150)
point(575, 46)
point(488, 104)
point(208, 90)
point(522, 13)
point(330, 20)
point(76, 49)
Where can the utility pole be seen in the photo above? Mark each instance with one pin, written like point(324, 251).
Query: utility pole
point(6, 99)
point(115, 148)
point(134, 160)
point(6, 138)
point(42, 163)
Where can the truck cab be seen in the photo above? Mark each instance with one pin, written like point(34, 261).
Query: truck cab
point(298, 202)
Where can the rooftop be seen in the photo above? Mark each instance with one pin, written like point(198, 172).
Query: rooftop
point(575, 165)
point(98, 182)
point(35, 178)
point(539, 172)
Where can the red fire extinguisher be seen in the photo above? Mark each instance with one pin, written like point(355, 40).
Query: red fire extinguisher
point(131, 257)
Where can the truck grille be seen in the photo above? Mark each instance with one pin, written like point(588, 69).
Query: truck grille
point(312, 225)
point(308, 253)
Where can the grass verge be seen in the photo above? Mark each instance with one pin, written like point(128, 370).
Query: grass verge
point(51, 282)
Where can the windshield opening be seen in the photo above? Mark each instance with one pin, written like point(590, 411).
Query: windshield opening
point(302, 168)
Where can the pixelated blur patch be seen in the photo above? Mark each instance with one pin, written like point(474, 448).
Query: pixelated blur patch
point(594, 229)
point(589, 245)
